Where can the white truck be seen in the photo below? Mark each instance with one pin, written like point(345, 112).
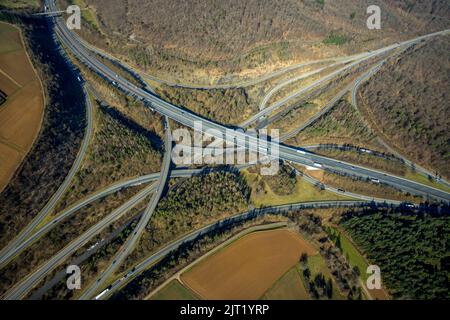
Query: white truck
point(317, 165)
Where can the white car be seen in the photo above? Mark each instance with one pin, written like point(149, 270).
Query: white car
point(301, 151)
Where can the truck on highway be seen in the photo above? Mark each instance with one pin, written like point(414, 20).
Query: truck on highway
point(317, 165)
point(101, 294)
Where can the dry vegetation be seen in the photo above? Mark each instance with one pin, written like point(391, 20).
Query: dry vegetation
point(407, 103)
point(362, 186)
point(142, 285)
point(191, 204)
point(120, 149)
point(200, 39)
point(342, 125)
point(283, 183)
point(90, 258)
point(20, 4)
point(228, 106)
point(132, 109)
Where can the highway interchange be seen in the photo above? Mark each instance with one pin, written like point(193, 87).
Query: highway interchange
point(188, 119)
point(133, 239)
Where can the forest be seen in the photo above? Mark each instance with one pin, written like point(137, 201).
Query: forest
point(411, 247)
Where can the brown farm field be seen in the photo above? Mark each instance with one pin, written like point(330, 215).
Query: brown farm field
point(248, 267)
point(22, 112)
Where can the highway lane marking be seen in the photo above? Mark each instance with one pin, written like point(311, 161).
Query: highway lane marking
point(165, 108)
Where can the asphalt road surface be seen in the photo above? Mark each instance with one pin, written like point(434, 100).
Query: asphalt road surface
point(242, 139)
point(131, 242)
point(155, 257)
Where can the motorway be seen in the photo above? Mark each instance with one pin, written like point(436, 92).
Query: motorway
point(84, 238)
point(242, 139)
point(30, 281)
point(155, 257)
point(131, 242)
point(283, 84)
point(8, 250)
point(19, 290)
point(185, 173)
point(332, 102)
point(238, 84)
point(267, 111)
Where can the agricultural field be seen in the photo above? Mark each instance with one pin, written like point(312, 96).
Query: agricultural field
point(289, 287)
point(22, 112)
point(247, 268)
point(174, 290)
point(318, 267)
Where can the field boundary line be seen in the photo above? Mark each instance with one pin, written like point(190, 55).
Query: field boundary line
point(177, 276)
point(25, 49)
point(9, 77)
